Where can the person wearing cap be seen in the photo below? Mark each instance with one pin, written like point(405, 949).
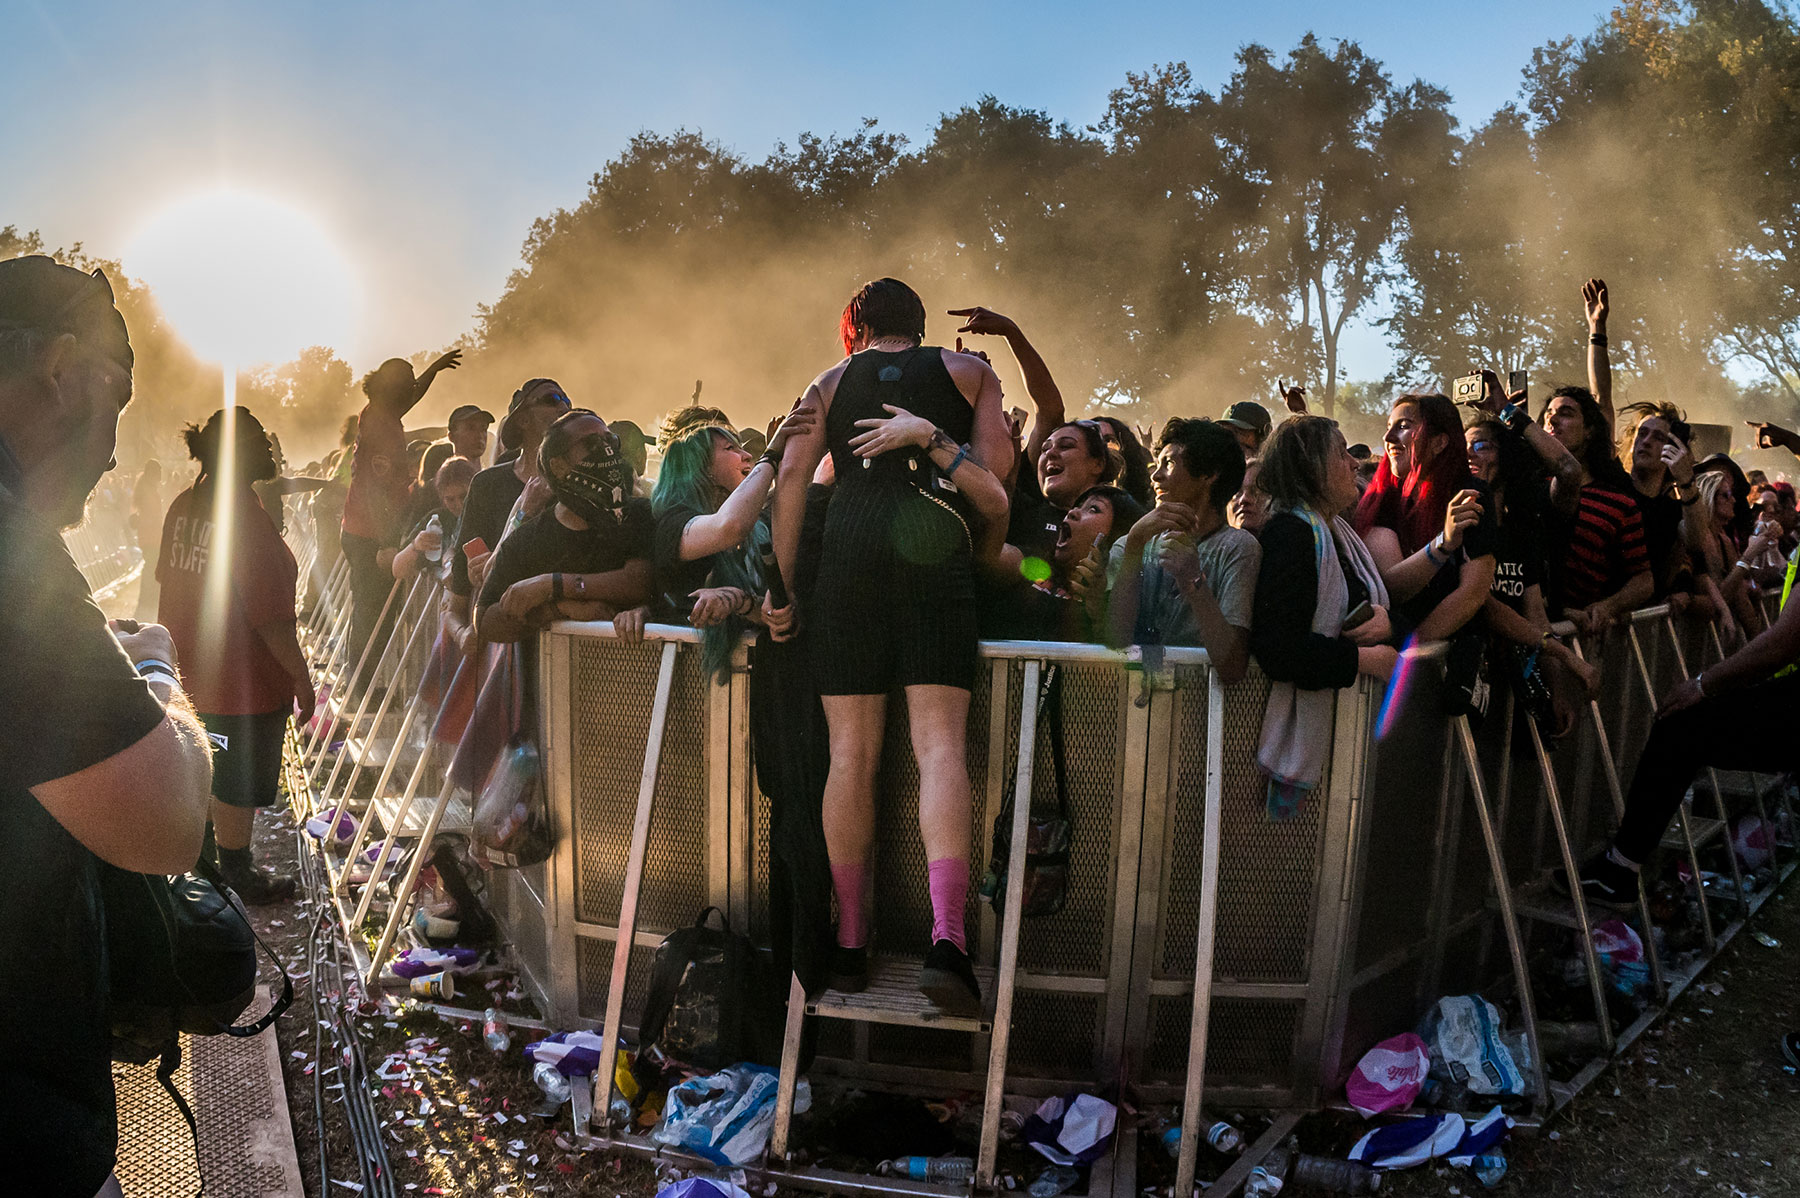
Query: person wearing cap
point(534, 408)
point(101, 756)
point(1249, 421)
point(469, 432)
point(380, 484)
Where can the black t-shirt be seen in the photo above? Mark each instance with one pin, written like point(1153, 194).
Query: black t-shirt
point(1518, 564)
point(676, 580)
point(72, 700)
point(1661, 515)
point(492, 494)
point(1477, 542)
point(1034, 525)
point(545, 545)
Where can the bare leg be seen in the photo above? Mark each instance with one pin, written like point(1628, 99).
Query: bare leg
point(940, 721)
point(232, 825)
point(856, 723)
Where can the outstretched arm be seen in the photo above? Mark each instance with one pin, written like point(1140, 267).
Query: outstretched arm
point(448, 361)
point(1046, 397)
point(1598, 304)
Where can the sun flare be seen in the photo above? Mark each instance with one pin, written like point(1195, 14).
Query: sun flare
point(244, 278)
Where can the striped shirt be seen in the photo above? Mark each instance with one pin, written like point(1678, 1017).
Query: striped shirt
point(1601, 548)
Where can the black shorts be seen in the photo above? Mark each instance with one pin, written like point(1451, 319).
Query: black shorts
point(246, 757)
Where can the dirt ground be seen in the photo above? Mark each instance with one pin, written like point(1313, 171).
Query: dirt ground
point(1701, 1105)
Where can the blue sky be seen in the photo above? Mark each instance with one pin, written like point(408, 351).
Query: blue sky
point(427, 137)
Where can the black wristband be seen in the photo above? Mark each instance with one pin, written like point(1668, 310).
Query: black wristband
point(773, 459)
point(1597, 339)
point(556, 587)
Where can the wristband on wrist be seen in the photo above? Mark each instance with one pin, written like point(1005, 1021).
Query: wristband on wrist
point(152, 665)
point(1513, 417)
point(771, 457)
point(1597, 339)
point(556, 587)
point(1435, 547)
point(962, 454)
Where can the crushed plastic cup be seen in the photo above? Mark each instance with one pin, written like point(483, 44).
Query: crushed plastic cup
point(435, 985)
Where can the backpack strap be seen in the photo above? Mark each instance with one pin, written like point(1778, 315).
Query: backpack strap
point(166, 1066)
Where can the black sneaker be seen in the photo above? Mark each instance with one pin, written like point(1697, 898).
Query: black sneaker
point(849, 969)
point(258, 887)
point(948, 980)
point(1790, 1048)
point(1603, 881)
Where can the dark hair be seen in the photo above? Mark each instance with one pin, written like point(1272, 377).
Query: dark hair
point(1644, 410)
point(436, 454)
point(1293, 463)
point(1207, 448)
point(1519, 480)
point(204, 443)
point(558, 439)
point(1597, 454)
point(1136, 475)
point(888, 307)
point(1126, 511)
point(371, 380)
point(1094, 441)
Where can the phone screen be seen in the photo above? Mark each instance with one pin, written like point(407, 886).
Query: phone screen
point(1517, 383)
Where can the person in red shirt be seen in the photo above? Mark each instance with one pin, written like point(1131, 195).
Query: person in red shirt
point(380, 485)
point(228, 602)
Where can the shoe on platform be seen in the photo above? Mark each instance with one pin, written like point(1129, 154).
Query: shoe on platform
point(258, 887)
point(849, 969)
point(948, 980)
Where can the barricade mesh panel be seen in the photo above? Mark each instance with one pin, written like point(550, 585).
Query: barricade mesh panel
point(516, 899)
point(1078, 939)
point(759, 866)
point(1250, 1041)
point(593, 975)
point(607, 742)
point(1054, 1035)
point(902, 914)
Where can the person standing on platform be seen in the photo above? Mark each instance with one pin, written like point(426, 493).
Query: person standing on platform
point(228, 584)
point(101, 756)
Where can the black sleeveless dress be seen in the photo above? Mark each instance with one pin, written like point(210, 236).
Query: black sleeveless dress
point(895, 599)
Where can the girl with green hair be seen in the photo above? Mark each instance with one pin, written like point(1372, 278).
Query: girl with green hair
point(711, 533)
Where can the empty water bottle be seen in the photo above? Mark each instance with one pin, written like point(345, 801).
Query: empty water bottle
point(953, 1169)
point(1220, 1137)
point(1011, 1124)
point(1490, 1169)
point(1324, 1173)
point(550, 1080)
point(1053, 1181)
point(494, 1031)
point(1261, 1183)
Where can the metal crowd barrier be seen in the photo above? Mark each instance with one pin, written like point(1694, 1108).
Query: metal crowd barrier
point(1417, 869)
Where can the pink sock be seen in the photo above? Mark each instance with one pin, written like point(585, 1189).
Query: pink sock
point(949, 895)
point(850, 881)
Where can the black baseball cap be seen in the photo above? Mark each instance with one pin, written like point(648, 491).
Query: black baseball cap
point(468, 412)
point(1248, 415)
point(532, 389)
point(37, 292)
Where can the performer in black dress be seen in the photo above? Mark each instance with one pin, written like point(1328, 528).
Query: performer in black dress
point(893, 606)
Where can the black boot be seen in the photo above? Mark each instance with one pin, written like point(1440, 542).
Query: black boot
point(948, 980)
point(256, 886)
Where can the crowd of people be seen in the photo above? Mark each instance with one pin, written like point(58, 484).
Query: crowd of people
point(896, 514)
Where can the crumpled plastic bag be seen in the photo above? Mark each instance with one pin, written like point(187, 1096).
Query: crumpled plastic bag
point(1464, 1034)
point(1389, 1076)
point(728, 1116)
point(1076, 1130)
point(1621, 955)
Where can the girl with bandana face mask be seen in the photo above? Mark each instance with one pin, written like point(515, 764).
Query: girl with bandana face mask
point(587, 555)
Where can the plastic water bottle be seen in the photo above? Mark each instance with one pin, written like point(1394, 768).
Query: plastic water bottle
point(1324, 1173)
point(1261, 1184)
point(952, 1169)
point(1011, 1124)
point(1220, 1137)
point(550, 1080)
point(494, 1031)
point(1053, 1181)
point(437, 526)
point(1490, 1169)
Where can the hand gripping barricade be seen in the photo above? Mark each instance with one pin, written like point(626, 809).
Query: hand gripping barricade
point(1205, 953)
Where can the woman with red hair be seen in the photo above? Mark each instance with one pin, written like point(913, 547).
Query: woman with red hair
point(1427, 522)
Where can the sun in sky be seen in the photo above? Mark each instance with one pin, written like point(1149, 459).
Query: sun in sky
point(245, 278)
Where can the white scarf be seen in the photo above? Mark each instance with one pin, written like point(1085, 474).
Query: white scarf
point(1296, 732)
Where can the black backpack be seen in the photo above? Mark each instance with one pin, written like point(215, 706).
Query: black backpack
point(710, 1004)
point(181, 957)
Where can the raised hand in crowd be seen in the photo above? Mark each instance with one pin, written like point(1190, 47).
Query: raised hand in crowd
point(1596, 303)
point(973, 353)
point(1772, 436)
point(1046, 397)
point(1294, 396)
point(1464, 513)
point(1678, 459)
